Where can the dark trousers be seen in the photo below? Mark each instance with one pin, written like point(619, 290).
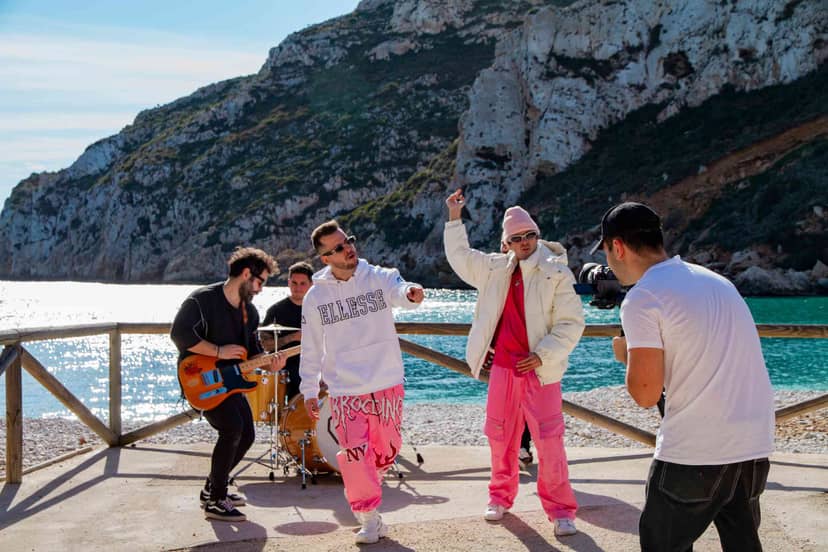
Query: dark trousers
point(526, 438)
point(683, 500)
point(234, 422)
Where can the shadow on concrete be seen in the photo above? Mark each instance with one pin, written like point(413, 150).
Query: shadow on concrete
point(773, 486)
point(533, 540)
point(798, 465)
point(608, 512)
point(38, 502)
point(611, 458)
point(254, 535)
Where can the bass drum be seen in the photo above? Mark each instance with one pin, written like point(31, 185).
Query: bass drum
point(321, 444)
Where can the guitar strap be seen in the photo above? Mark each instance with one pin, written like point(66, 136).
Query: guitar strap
point(245, 333)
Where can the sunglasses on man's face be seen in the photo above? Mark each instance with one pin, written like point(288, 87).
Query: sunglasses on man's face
point(259, 279)
point(517, 238)
point(350, 240)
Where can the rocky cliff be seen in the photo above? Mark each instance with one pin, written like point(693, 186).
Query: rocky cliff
point(564, 107)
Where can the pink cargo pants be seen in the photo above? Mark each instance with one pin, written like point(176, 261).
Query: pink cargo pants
point(368, 428)
point(512, 399)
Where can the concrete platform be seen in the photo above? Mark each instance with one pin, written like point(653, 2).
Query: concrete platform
point(146, 498)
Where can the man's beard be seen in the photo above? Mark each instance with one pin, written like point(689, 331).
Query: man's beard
point(245, 292)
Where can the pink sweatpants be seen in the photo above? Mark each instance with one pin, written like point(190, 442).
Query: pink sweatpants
point(512, 399)
point(368, 428)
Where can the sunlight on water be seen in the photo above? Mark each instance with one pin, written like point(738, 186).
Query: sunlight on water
point(150, 389)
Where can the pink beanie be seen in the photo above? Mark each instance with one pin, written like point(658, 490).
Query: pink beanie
point(516, 221)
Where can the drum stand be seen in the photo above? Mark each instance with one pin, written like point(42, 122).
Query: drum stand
point(277, 457)
point(301, 461)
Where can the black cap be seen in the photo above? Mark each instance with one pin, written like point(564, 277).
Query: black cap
point(625, 219)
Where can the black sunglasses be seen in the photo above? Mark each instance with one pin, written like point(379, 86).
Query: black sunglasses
point(530, 235)
point(350, 240)
point(259, 278)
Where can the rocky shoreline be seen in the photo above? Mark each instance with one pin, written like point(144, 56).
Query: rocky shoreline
point(439, 424)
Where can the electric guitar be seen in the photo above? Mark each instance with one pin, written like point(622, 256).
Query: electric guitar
point(207, 381)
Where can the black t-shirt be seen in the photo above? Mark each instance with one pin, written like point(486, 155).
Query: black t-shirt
point(286, 313)
point(206, 314)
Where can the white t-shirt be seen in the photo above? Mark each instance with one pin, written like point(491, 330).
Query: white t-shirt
point(719, 400)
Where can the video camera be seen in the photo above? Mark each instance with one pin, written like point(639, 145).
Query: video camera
point(600, 282)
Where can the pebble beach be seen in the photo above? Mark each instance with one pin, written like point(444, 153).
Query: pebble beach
point(438, 424)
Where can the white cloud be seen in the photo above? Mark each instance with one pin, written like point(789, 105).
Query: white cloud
point(63, 91)
point(131, 72)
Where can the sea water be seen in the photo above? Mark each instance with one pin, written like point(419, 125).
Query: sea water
point(150, 390)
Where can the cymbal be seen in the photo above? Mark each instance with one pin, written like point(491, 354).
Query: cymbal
point(275, 328)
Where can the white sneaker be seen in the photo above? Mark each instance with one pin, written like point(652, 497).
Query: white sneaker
point(565, 527)
point(372, 530)
point(525, 458)
point(494, 512)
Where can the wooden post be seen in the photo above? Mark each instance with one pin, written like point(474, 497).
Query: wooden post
point(158, 427)
point(14, 415)
point(70, 401)
point(115, 383)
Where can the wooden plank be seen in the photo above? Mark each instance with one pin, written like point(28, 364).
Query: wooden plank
point(145, 327)
point(158, 427)
point(436, 357)
point(433, 328)
point(115, 392)
point(14, 419)
point(616, 426)
point(793, 330)
point(804, 407)
point(56, 332)
point(51, 383)
point(8, 337)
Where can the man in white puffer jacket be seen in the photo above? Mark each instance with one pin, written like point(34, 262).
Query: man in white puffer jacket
point(527, 321)
point(349, 339)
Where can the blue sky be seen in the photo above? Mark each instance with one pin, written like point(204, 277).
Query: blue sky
point(75, 71)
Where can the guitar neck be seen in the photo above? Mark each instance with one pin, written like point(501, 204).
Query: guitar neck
point(264, 360)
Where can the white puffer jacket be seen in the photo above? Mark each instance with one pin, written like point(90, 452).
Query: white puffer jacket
point(554, 314)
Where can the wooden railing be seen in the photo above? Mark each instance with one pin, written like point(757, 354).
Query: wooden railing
point(15, 357)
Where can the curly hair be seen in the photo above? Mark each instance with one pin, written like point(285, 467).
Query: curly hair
point(255, 259)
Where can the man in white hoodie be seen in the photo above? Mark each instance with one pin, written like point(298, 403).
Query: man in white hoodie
point(527, 321)
point(349, 339)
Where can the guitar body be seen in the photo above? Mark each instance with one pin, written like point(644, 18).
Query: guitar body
point(206, 385)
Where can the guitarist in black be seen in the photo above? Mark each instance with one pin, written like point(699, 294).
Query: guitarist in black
point(219, 321)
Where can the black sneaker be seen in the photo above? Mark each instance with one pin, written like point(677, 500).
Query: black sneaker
point(222, 510)
point(236, 498)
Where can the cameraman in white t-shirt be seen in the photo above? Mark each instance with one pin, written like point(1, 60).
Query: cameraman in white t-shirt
point(689, 332)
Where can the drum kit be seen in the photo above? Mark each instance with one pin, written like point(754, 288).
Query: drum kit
point(309, 446)
point(294, 439)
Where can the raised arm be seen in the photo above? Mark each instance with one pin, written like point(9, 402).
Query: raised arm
point(469, 264)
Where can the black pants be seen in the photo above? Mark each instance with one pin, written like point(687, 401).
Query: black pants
point(526, 438)
point(234, 422)
point(683, 500)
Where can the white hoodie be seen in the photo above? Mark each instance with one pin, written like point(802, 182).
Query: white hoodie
point(348, 333)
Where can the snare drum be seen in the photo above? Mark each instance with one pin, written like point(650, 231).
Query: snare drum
point(321, 443)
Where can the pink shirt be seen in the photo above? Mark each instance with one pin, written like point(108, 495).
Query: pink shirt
point(512, 342)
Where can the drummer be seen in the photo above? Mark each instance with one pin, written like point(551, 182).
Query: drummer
point(288, 312)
